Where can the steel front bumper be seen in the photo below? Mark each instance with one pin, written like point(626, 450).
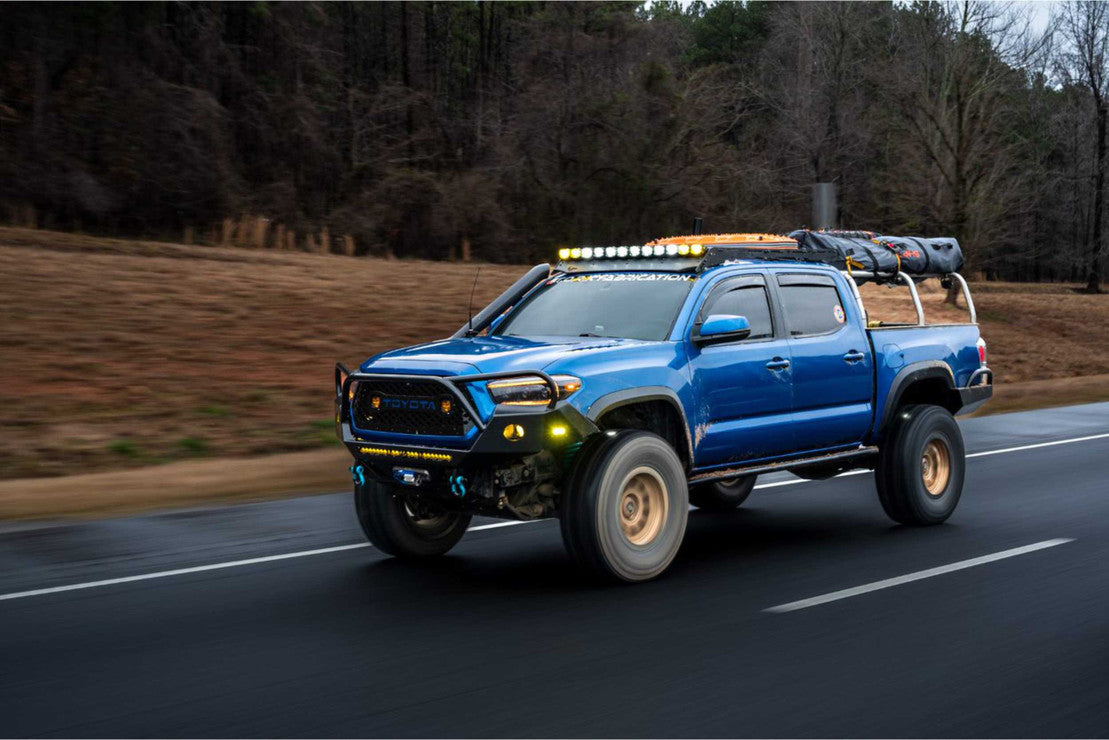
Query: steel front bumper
point(509, 432)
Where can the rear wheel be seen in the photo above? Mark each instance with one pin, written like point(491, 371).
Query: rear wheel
point(402, 529)
point(722, 495)
point(921, 466)
point(624, 511)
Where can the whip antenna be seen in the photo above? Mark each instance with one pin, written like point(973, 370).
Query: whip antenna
point(470, 310)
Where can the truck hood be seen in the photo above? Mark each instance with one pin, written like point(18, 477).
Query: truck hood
point(472, 355)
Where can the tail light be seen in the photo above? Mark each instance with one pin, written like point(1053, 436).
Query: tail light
point(982, 351)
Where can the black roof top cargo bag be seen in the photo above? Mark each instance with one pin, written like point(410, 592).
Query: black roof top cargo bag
point(886, 255)
point(856, 247)
point(924, 256)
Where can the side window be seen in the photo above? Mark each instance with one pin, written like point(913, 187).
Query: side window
point(748, 300)
point(811, 308)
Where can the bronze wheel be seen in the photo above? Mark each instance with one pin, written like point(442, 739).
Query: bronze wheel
point(921, 465)
point(935, 467)
point(624, 511)
point(644, 506)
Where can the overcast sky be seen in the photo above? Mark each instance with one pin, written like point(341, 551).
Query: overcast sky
point(1041, 13)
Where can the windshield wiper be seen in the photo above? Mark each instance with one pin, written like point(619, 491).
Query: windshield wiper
point(590, 334)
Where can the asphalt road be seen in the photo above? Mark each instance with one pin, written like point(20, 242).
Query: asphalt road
point(502, 637)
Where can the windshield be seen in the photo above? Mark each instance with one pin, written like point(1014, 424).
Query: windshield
point(631, 305)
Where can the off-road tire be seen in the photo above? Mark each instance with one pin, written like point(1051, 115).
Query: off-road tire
point(625, 507)
point(722, 495)
point(392, 527)
point(921, 466)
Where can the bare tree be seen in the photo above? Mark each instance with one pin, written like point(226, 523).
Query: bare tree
point(420, 128)
point(1082, 59)
point(952, 68)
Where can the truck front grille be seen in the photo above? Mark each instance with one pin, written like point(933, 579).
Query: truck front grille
point(408, 407)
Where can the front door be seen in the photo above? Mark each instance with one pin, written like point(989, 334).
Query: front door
point(743, 386)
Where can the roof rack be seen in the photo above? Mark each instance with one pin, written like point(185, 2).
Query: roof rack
point(865, 259)
point(716, 256)
point(764, 241)
point(680, 254)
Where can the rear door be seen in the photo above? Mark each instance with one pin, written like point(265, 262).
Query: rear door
point(833, 369)
point(743, 386)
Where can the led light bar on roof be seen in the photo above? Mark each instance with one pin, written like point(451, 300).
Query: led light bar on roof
point(633, 251)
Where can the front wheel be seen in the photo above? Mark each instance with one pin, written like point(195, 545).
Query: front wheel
point(624, 511)
point(405, 530)
point(921, 466)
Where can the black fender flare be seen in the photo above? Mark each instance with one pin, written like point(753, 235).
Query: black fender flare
point(629, 396)
point(910, 374)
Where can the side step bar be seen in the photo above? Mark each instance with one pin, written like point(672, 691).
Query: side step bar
point(718, 475)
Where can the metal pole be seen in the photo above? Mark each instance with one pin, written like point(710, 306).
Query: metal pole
point(824, 205)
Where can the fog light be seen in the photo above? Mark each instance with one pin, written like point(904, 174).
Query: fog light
point(513, 432)
point(558, 430)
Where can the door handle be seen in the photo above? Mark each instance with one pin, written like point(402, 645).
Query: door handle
point(854, 356)
point(777, 363)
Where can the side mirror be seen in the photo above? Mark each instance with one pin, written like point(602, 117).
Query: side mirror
point(722, 328)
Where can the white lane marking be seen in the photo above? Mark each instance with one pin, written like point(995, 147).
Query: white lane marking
point(1038, 445)
point(917, 576)
point(969, 455)
point(498, 525)
point(340, 548)
point(806, 480)
point(216, 566)
point(180, 571)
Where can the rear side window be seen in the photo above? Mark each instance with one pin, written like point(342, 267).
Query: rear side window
point(750, 301)
point(811, 309)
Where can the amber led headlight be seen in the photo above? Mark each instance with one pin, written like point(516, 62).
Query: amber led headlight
point(531, 390)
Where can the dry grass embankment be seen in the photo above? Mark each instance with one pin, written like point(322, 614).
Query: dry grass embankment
point(120, 355)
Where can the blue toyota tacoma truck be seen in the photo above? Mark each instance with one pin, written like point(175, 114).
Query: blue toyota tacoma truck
point(627, 383)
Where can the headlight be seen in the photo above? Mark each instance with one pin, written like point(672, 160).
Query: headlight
point(531, 390)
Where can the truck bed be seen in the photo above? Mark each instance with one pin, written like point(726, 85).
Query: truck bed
point(897, 348)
